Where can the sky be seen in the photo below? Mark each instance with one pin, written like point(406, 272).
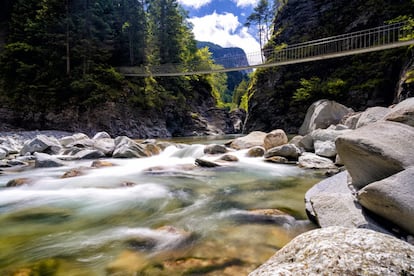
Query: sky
point(222, 22)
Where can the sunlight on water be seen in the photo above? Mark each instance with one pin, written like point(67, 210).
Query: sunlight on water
point(144, 214)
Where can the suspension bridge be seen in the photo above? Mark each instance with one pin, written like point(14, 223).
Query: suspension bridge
point(369, 40)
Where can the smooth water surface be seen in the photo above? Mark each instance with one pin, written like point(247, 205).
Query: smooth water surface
point(157, 216)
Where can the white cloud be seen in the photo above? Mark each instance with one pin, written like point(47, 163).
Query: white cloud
point(195, 4)
point(226, 31)
point(246, 3)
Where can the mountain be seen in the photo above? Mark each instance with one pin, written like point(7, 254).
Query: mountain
point(226, 56)
point(358, 81)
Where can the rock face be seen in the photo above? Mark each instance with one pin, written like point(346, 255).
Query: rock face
point(376, 151)
point(370, 79)
point(322, 114)
point(341, 251)
point(392, 198)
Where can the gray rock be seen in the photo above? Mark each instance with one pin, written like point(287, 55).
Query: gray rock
point(41, 143)
point(128, 148)
point(206, 163)
point(229, 158)
point(275, 138)
point(351, 120)
point(402, 112)
point(322, 114)
point(105, 145)
point(215, 149)
point(392, 198)
point(341, 251)
point(372, 115)
point(257, 151)
point(312, 161)
point(296, 140)
point(277, 160)
point(307, 142)
point(376, 151)
point(3, 153)
point(44, 160)
point(67, 140)
point(89, 154)
point(325, 148)
point(289, 151)
point(101, 135)
point(255, 138)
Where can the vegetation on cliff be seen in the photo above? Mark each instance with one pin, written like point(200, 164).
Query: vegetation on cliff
point(65, 53)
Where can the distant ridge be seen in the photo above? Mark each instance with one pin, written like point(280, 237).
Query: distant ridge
point(220, 53)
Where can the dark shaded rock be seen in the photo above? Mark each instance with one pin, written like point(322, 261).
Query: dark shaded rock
point(229, 158)
point(277, 159)
point(205, 163)
point(44, 160)
point(89, 154)
point(289, 151)
point(257, 151)
point(41, 143)
point(215, 149)
point(19, 182)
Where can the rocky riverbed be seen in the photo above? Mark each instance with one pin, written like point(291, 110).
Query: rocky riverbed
point(368, 202)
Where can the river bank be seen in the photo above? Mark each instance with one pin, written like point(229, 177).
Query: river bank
point(364, 151)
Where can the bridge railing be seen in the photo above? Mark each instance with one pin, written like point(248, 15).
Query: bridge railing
point(383, 37)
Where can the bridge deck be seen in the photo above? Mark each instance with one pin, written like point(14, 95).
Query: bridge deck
point(370, 40)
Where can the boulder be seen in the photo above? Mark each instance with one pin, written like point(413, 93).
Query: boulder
point(206, 163)
point(89, 154)
point(41, 143)
point(325, 148)
point(44, 160)
point(105, 145)
point(372, 115)
point(289, 151)
point(392, 198)
point(296, 140)
point(67, 140)
point(351, 120)
point(277, 160)
point(215, 149)
point(3, 153)
point(376, 151)
point(341, 251)
point(312, 161)
point(128, 148)
point(275, 138)
point(402, 112)
point(257, 151)
point(151, 148)
point(322, 114)
point(229, 158)
point(255, 138)
point(101, 135)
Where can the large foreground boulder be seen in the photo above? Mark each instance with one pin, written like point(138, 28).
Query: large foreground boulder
point(392, 198)
point(376, 151)
point(341, 251)
point(322, 114)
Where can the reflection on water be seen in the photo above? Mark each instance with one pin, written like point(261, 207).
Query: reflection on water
point(160, 215)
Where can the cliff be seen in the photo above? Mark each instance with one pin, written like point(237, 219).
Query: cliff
point(360, 81)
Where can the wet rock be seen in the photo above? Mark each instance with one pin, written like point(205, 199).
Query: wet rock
point(42, 144)
point(89, 154)
point(199, 266)
point(43, 160)
point(312, 161)
point(322, 114)
point(67, 140)
point(289, 151)
point(372, 115)
point(277, 160)
point(101, 135)
point(43, 214)
point(101, 163)
point(128, 148)
point(206, 163)
point(402, 112)
point(376, 151)
point(215, 149)
point(392, 198)
point(152, 149)
point(273, 216)
point(253, 139)
point(338, 251)
point(19, 182)
point(229, 158)
point(105, 145)
point(257, 151)
point(74, 172)
point(274, 139)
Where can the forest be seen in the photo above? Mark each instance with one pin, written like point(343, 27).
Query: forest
point(57, 53)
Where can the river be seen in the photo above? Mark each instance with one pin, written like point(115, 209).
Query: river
point(159, 215)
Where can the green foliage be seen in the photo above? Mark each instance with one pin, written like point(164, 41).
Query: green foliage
point(314, 88)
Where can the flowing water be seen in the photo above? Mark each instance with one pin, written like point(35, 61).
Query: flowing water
point(157, 216)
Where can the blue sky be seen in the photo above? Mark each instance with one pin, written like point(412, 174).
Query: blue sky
point(222, 22)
